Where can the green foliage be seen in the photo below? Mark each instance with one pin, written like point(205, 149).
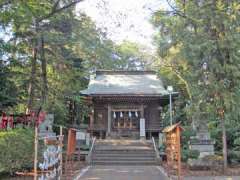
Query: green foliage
point(8, 93)
point(72, 47)
point(186, 135)
point(185, 138)
point(16, 150)
point(189, 154)
point(234, 156)
point(195, 33)
point(237, 141)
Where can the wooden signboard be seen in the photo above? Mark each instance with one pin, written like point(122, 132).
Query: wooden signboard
point(173, 147)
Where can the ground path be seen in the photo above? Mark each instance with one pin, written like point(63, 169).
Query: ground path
point(122, 172)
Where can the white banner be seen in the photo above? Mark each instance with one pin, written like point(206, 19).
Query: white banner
point(142, 127)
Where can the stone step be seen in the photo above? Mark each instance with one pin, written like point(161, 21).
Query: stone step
point(123, 152)
point(127, 150)
point(123, 155)
point(122, 147)
point(125, 163)
point(125, 142)
point(127, 159)
point(122, 144)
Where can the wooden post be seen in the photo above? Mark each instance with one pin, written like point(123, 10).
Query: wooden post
point(91, 120)
point(142, 111)
point(130, 123)
point(35, 152)
point(109, 119)
point(179, 152)
point(91, 116)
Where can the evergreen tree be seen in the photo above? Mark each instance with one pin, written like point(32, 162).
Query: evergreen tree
point(199, 42)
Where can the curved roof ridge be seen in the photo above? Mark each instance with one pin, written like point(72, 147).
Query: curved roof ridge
point(125, 82)
point(124, 72)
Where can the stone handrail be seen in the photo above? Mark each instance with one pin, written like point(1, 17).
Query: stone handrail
point(89, 156)
point(155, 149)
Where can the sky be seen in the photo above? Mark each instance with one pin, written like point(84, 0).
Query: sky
point(123, 19)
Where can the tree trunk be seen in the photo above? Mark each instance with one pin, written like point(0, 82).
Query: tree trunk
point(31, 89)
point(32, 81)
point(224, 141)
point(44, 73)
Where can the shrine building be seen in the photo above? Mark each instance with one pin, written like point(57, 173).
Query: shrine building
point(126, 104)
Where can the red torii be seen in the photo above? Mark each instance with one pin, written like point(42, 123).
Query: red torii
point(24, 119)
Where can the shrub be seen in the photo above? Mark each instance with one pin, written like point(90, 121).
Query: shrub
point(189, 154)
point(193, 154)
point(16, 150)
point(234, 156)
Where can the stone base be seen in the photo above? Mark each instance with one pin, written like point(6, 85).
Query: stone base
point(204, 149)
point(124, 134)
point(204, 163)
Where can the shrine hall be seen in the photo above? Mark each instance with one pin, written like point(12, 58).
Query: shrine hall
point(125, 104)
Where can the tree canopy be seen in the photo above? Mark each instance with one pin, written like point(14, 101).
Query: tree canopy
point(199, 48)
point(48, 51)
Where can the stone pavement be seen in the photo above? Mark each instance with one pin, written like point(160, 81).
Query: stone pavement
point(123, 173)
point(213, 178)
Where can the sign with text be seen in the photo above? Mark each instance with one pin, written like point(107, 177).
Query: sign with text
point(80, 135)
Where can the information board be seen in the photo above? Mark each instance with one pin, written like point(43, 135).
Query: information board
point(80, 135)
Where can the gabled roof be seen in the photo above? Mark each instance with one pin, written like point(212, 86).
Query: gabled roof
point(172, 127)
point(137, 83)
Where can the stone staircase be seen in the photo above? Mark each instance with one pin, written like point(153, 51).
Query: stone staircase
point(123, 152)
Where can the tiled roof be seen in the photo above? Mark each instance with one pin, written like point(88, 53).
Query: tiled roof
point(125, 83)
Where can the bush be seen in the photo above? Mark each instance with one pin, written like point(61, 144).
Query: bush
point(186, 135)
point(16, 150)
point(193, 154)
point(234, 156)
point(189, 154)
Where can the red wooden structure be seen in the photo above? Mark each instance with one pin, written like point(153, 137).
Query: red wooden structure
point(71, 142)
point(25, 119)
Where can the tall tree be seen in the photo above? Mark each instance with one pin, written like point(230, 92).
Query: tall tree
point(203, 37)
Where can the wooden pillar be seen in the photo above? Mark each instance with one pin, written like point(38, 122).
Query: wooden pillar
point(142, 111)
point(109, 119)
point(91, 116)
point(142, 129)
point(179, 152)
point(118, 126)
point(130, 123)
